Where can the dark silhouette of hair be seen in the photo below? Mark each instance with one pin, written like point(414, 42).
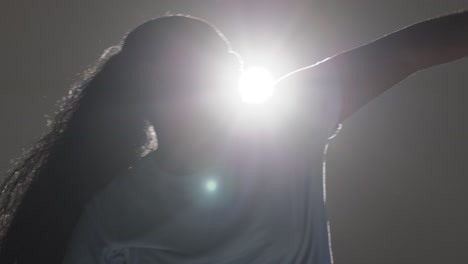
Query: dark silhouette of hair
point(98, 132)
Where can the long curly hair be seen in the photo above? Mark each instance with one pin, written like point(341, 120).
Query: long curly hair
point(98, 132)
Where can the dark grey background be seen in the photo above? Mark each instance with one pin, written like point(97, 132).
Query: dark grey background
point(397, 171)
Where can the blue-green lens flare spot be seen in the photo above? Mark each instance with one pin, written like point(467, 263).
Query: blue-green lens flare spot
point(211, 185)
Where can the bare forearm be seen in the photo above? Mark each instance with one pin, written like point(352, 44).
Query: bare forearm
point(435, 41)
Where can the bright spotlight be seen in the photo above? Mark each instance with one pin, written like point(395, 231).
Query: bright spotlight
point(256, 85)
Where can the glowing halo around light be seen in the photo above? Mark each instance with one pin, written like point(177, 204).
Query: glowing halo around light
point(211, 185)
point(256, 85)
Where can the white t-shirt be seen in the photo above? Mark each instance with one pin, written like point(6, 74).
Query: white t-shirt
point(266, 205)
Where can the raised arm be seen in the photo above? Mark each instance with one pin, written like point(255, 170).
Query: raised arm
point(367, 71)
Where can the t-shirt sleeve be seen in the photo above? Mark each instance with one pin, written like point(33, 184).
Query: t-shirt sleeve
point(309, 101)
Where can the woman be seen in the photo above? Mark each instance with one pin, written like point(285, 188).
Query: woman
point(223, 186)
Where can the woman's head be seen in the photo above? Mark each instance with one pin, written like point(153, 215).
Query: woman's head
point(187, 72)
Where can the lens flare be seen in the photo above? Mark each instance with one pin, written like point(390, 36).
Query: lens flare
point(256, 85)
point(211, 185)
